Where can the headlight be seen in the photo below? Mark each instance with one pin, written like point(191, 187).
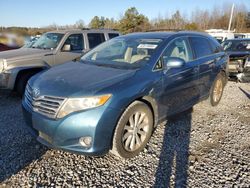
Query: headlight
point(77, 104)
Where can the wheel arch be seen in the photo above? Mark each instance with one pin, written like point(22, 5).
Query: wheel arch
point(225, 76)
point(149, 101)
point(32, 70)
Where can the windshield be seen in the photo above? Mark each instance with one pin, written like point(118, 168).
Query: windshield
point(48, 41)
point(237, 45)
point(123, 52)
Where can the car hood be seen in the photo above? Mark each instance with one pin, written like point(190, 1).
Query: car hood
point(78, 79)
point(23, 53)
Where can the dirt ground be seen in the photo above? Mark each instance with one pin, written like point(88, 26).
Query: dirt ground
point(208, 147)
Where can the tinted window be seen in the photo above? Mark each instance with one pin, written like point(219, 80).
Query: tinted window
point(201, 46)
point(179, 48)
point(75, 41)
point(236, 45)
point(95, 39)
point(113, 35)
point(216, 47)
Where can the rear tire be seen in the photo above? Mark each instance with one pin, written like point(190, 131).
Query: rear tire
point(133, 130)
point(216, 91)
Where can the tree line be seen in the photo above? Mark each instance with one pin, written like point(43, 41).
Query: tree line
point(133, 21)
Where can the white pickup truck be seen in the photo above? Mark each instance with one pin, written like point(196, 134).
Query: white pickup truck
point(52, 48)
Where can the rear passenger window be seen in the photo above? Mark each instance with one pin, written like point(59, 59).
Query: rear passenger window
point(95, 39)
point(201, 46)
point(113, 35)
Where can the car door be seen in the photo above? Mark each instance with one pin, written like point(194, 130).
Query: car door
point(180, 85)
point(206, 59)
point(72, 49)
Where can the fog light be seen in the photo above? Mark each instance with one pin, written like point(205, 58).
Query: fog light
point(85, 141)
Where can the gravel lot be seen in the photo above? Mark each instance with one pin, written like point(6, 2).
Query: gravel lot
point(209, 147)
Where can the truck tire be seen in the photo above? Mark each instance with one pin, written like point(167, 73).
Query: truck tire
point(22, 81)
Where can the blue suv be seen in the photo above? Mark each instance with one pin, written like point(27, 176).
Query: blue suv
point(115, 96)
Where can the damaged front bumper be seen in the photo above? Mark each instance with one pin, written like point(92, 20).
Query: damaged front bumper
point(239, 65)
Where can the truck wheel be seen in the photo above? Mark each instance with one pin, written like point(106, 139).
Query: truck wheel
point(217, 90)
point(133, 130)
point(21, 83)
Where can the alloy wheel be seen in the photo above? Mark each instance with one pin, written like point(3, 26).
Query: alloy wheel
point(218, 89)
point(135, 131)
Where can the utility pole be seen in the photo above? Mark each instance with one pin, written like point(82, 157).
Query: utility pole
point(231, 18)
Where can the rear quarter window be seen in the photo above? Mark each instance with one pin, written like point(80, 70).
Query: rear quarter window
point(216, 47)
point(113, 35)
point(201, 46)
point(95, 39)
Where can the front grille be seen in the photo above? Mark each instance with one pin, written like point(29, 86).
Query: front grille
point(45, 105)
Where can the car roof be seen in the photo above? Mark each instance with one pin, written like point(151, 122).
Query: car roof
point(164, 35)
point(239, 39)
point(84, 30)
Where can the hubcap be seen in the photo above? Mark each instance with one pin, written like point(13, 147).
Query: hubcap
point(135, 131)
point(218, 90)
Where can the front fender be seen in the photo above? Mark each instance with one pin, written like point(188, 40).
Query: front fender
point(13, 72)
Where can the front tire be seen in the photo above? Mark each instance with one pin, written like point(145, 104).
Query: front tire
point(21, 83)
point(133, 130)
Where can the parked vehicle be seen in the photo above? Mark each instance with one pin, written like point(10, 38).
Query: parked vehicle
point(239, 53)
point(11, 41)
point(4, 47)
point(122, 89)
point(52, 48)
point(221, 35)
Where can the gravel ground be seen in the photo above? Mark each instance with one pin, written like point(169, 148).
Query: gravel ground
point(209, 147)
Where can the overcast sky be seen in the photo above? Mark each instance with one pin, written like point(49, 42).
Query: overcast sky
point(34, 13)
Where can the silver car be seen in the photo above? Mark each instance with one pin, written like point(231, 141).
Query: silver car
point(52, 48)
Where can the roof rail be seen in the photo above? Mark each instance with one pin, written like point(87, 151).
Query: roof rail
point(85, 28)
point(162, 29)
point(110, 29)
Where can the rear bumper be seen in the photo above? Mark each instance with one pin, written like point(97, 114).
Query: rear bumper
point(64, 134)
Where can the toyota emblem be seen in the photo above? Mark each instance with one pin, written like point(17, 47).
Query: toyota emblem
point(35, 92)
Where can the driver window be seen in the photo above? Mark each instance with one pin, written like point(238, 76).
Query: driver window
point(75, 41)
point(179, 48)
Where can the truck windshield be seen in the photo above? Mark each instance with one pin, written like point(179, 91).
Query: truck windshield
point(48, 41)
point(123, 52)
point(236, 45)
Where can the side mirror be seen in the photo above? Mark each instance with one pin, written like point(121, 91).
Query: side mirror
point(66, 48)
point(173, 62)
